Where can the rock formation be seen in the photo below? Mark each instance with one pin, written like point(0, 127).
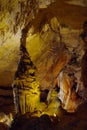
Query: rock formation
point(50, 54)
point(59, 64)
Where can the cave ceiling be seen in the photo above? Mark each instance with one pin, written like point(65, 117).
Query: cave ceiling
point(13, 18)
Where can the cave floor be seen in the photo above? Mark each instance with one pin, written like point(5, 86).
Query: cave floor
point(74, 121)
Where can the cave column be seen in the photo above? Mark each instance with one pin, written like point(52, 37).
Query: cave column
point(25, 86)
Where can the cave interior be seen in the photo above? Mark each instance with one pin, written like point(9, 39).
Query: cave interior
point(43, 65)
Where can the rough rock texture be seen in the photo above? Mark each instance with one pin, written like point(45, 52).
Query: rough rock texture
point(14, 16)
point(26, 86)
point(12, 20)
point(51, 51)
point(6, 119)
point(75, 121)
point(79, 2)
point(58, 65)
point(61, 44)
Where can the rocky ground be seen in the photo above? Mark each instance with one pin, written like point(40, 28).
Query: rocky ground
point(67, 121)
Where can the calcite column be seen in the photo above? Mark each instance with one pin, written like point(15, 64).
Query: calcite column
point(25, 86)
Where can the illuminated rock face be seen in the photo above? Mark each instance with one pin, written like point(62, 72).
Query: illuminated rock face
point(79, 2)
point(50, 48)
point(68, 93)
point(54, 63)
point(29, 79)
point(15, 15)
point(43, 4)
point(25, 86)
